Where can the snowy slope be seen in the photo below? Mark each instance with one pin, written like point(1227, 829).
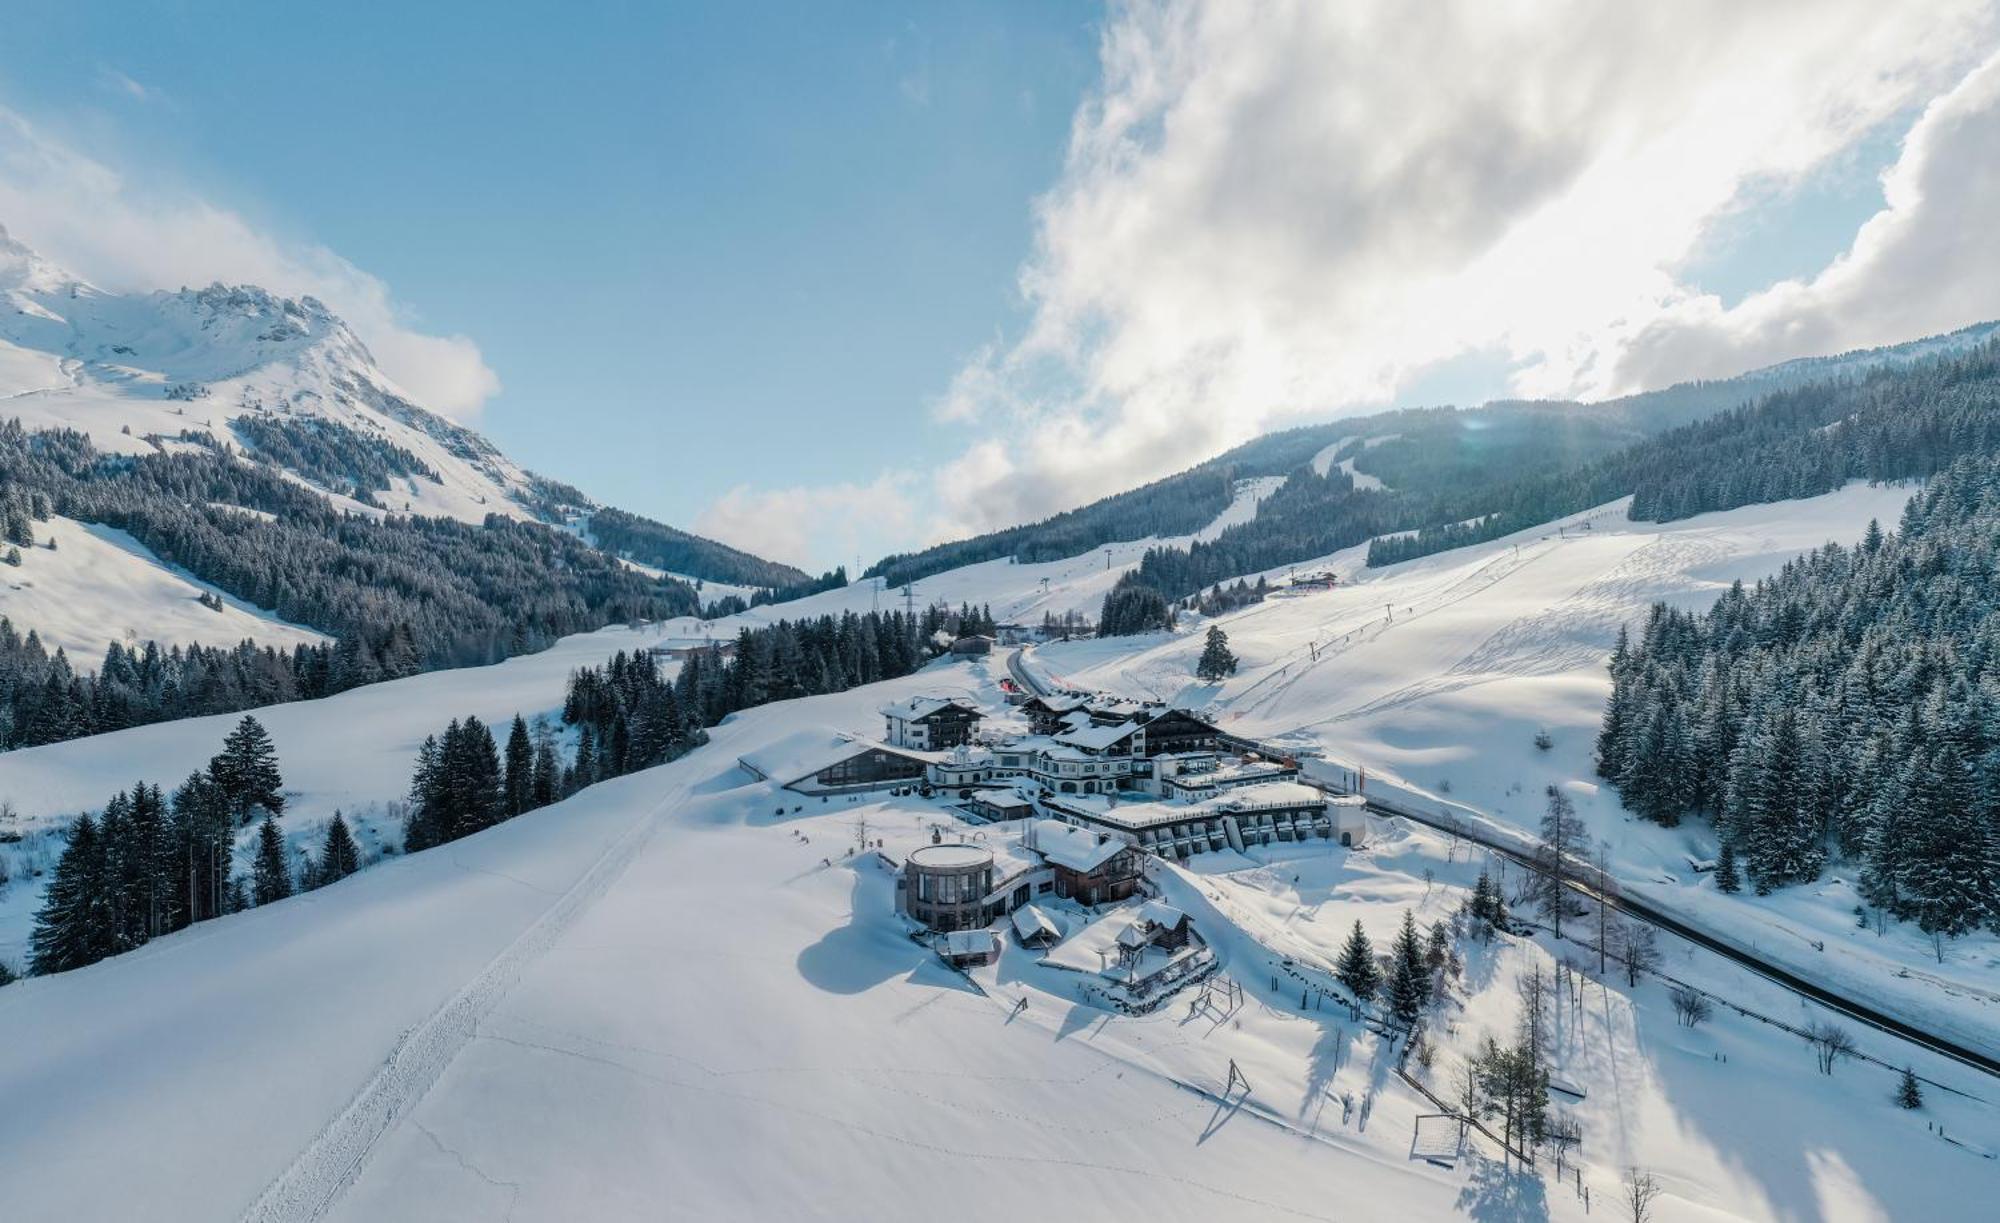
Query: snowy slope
point(1435, 675)
point(660, 999)
point(99, 585)
point(1015, 592)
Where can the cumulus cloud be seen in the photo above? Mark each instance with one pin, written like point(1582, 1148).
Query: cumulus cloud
point(1294, 210)
point(88, 217)
point(1928, 262)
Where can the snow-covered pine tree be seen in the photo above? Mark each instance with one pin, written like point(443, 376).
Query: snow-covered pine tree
point(247, 770)
point(1216, 663)
point(1356, 968)
point(1409, 981)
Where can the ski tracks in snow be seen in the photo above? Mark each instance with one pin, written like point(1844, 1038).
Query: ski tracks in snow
point(332, 1162)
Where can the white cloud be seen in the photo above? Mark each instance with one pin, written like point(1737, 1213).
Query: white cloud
point(1293, 210)
point(1928, 262)
point(815, 528)
point(86, 216)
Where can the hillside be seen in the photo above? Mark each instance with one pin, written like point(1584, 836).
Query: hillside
point(1403, 471)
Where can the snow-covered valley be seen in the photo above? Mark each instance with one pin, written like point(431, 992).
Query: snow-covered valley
point(663, 997)
point(597, 1007)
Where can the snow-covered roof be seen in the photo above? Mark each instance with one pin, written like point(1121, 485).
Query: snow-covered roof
point(950, 856)
point(1160, 913)
point(1097, 738)
point(1030, 922)
point(919, 707)
point(805, 752)
point(1005, 800)
point(968, 942)
point(1077, 849)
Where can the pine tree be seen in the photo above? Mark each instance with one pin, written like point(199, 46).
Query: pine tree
point(1357, 969)
point(1909, 1093)
point(1216, 663)
point(270, 874)
point(520, 765)
point(338, 858)
point(1409, 982)
point(1727, 881)
point(247, 770)
point(74, 926)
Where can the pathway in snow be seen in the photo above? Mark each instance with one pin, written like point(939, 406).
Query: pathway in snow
point(335, 1158)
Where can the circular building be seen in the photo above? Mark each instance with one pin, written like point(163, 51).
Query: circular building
point(946, 886)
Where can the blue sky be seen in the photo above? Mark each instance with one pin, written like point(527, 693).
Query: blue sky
point(675, 232)
point(826, 280)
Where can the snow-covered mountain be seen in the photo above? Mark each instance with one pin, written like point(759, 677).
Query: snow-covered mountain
point(134, 371)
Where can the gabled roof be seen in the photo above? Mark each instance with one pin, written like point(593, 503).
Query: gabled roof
point(1160, 913)
point(1031, 923)
point(917, 708)
point(1073, 848)
point(805, 752)
point(1098, 738)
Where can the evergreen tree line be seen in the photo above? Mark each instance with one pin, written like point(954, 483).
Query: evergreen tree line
point(1843, 708)
point(151, 863)
point(44, 699)
point(1134, 607)
point(328, 453)
point(401, 594)
point(629, 718)
point(462, 782)
point(794, 658)
point(676, 551)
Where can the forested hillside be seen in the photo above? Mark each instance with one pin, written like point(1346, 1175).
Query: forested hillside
point(1451, 477)
point(676, 551)
point(1844, 709)
point(401, 593)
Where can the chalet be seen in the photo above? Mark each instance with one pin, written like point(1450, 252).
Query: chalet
point(975, 646)
point(828, 762)
point(929, 723)
point(1088, 868)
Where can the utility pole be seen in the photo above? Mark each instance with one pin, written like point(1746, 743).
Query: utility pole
point(1107, 560)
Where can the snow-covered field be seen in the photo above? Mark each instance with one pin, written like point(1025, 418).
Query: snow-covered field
point(663, 998)
point(1435, 675)
point(99, 585)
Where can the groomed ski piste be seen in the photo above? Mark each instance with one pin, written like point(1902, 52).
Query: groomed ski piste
point(684, 994)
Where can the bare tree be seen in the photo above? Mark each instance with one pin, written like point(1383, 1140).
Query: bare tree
point(1830, 1043)
point(1565, 1131)
point(1565, 838)
point(1642, 952)
point(1641, 1187)
point(1690, 1006)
